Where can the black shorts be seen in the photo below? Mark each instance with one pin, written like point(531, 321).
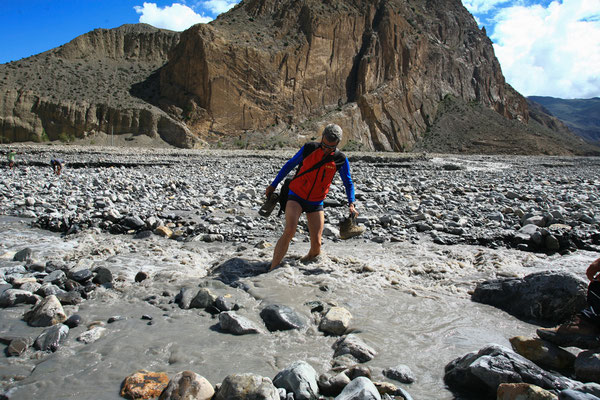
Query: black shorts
point(307, 206)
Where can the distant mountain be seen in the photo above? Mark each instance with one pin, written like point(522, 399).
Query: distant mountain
point(582, 116)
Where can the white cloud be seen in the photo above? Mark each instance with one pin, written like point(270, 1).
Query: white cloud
point(550, 51)
point(482, 6)
point(176, 17)
point(219, 6)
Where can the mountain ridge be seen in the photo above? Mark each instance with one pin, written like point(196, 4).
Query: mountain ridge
point(273, 73)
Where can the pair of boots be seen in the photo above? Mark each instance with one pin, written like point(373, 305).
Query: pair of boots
point(578, 332)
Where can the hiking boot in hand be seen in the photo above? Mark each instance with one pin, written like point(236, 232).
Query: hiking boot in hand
point(349, 228)
point(578, 332)
point(269, 205)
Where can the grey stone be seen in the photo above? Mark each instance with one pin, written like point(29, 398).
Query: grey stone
point(587, 366)
point(299, 378)
point(18, 346)
point(570, 394)
point(51, 338)
point(133, 222)
point(13, 297)
point(280, 318)
point(353, 345)
point(103, 276)
point(236, 324)
point(247, 387)
point(57, 277)
point(203, 299)
point(91, 335)
point(360, 388)
point(47, 312)
point(401, 373)
point(184, 297)
point(81, 276)
point(336, 321)
point(24, 255)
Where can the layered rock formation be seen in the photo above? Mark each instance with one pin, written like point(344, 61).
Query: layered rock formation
point(378, 68)
point(89, 86)
point(280, 70)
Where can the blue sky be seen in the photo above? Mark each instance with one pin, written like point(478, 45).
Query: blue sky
point(547, 48)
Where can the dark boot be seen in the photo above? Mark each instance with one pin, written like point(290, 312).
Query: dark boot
point(578, 332)
point(269, 205)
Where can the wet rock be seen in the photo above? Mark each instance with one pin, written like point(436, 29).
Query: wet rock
point(47, 312)
point(141, 276)
point(336, 321)
point(69, 298)
point(184, 297)
point(543, 353)
point(401, 373)
point(18, 346)
point(116, 318)
point(23, 255)
point(57, 277)
point(224, 304)
point(571, 394)
point(188, 385)
point(143, 235)
point(236, 324)
point(360, 388)
point(547, 296)
point(133, 222)
point(587, 366)
point(49, 289)
point(518, 391)
point(280, 318)
point(247, 387)
point(480, 373)
point(81, 276)
point(144, 385)
point(299, 378)
point(13, 297)
point(353, 345)
point(103, 276)
point(73, 321)
point(52, 337)
point(358, 370)
point(332, 384)
point(203, 299)
point(91, 335)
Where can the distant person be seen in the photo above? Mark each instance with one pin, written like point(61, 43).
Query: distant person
point(56, 165)
point(319, 161)
point(583, 330)
point(11, 156)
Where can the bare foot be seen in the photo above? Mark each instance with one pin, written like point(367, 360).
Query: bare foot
point(309, 257)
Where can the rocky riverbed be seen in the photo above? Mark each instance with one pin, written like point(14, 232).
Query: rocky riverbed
point(137, 234)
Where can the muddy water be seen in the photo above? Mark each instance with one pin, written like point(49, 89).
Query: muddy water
point(409, 301)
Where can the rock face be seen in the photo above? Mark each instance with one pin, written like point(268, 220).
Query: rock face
point(379, 69)
point(99, 83)
point(280, 70)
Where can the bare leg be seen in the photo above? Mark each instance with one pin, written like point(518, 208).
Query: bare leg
point(316, 220)
point(293, 210)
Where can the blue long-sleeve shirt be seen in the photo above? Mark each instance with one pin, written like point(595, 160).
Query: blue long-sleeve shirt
point(344, 172)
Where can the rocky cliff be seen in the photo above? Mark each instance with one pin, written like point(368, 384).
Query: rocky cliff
point(98, 83)
point(274, 72)
point(378, 68)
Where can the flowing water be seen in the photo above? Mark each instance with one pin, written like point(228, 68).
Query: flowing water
point(409, 301)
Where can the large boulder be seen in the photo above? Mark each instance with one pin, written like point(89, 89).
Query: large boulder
point(299, 378)
point(547, 296)
point(236, 324)
point(480, 373)
point(188, 385)
point(543, 353)
point(336, 321)
point(247, 387)
point(13, 297)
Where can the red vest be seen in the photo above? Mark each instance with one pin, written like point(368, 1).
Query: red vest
point(314, 185)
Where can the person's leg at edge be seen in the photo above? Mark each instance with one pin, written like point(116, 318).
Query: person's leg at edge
point(316, 221)
point(293, 210)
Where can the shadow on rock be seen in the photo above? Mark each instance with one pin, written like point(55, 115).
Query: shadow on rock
point(231, 271)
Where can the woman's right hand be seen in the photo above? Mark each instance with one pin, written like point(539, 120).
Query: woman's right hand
point(593, 270)
point(270, 189)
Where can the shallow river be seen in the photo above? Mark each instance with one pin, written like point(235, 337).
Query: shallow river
point(409, 301)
